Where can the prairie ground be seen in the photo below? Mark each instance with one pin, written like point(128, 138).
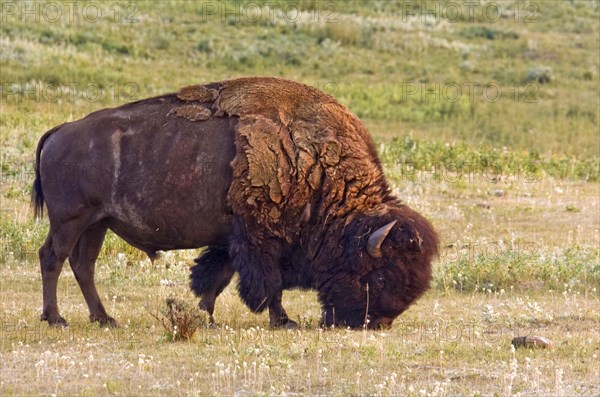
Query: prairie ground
point(488, 126)
point(495, 280)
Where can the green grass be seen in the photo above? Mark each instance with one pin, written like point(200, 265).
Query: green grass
point(504, 163)
point(408, 157)
point(336, 47)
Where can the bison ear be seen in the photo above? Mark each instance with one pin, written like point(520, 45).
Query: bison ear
point(376, 239)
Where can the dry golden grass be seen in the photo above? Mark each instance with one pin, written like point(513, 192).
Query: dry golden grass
point(449, 343)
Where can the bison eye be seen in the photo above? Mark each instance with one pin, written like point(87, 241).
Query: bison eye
point(381, 322)
point(375, 280)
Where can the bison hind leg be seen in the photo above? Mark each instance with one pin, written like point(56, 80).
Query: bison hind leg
point(59, 243)
point(211, 274)
point(51, 267)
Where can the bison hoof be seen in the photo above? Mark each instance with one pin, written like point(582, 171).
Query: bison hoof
point(290, 325)
point(286, 324)
point(104, 321)
point(212, 325)
point(54, 320)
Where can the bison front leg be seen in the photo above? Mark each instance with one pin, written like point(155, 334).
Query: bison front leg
point(256, 257)
point(278, 318)
point(213, 273)
point(209, 277)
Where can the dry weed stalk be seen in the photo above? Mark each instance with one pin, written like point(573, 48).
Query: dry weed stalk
point(179, 319)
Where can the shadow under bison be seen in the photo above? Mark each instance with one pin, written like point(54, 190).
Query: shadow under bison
point(280, 181)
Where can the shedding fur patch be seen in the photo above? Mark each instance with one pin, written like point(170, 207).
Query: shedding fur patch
point(191, 112)
point(292, 142)
point(197, 93)
point(268, 166)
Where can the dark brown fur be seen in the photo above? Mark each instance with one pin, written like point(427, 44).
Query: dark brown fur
point(304, 192)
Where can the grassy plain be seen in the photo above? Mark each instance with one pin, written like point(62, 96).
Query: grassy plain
point(509, 176)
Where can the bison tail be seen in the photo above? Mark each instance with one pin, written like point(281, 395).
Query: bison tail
point(37, 195)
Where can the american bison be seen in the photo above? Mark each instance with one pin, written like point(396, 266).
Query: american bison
point(280, 181)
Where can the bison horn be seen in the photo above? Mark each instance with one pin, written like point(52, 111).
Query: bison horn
point(376, 239)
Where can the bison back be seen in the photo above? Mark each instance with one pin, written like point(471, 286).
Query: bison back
point(159, 176)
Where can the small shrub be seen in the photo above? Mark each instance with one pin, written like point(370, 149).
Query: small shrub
point(205, 46)
point(488, 33)
point(468, 66)
point(179, 319)
point(117, 48)
point(161, 43)
point(345, 34)
point(589, 75)
point(540, 74)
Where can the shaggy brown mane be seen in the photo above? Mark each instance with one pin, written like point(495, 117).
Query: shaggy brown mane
point(294, 141)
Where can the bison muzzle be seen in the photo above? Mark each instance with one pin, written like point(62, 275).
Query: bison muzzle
point(278, 180)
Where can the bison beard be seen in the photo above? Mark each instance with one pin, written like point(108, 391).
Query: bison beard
point(278, 179)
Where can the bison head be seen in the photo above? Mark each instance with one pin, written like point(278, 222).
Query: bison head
point(386, 266)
